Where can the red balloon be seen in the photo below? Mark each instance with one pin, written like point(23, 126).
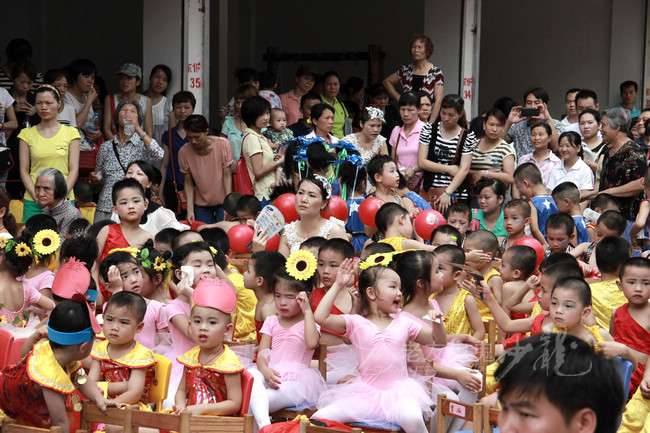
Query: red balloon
point(337, 208)
point(194, 225)
point(427, 221)
point(534, 244)
point(240, 236)
point(273, 244)
point(286, 203)
point(368, 210)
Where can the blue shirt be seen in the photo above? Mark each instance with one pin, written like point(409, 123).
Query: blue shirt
point(418, 200)
point(177, 143)
point(545, 207)
point(581, 228)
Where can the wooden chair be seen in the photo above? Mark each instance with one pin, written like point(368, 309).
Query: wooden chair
point(6, 342)
point(10, 426)
point(491, 332)
point(161, 421)
point(160, 386)
point(307, 427)
point(120, 417)
point(461, 410)
point(490, 419)
point(221, 424)
point(291, 412)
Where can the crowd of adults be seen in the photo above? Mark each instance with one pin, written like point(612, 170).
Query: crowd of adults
point(52, 125)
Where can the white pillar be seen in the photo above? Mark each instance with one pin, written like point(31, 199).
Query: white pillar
point(196, 29)
point(470, 56)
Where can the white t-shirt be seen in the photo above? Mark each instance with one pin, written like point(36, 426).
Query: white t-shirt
point(67, 116)
point(580, 174)
point(160, 113)
point(6, 100)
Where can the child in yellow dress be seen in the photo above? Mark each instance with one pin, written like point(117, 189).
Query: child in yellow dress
point(120, 360)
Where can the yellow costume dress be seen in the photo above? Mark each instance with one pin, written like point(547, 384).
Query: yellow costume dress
point(636, 418)
point(605, 298)
point(395, 242)
point(456, 319)
point(244, 316)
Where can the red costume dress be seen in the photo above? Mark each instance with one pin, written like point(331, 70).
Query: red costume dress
point(629, 332)
point(21, 398)
point(115, 239)
point(316, 296)
point(206, 383)
point(119, 370)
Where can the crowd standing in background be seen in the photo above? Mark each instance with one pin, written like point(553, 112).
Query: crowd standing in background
point(407, 227)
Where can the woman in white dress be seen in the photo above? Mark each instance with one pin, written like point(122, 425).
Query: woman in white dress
point(368, 142)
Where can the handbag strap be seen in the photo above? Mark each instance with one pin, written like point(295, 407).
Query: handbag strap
point(117, 155)
point(399, 137)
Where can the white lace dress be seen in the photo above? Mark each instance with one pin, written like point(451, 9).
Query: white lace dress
point(366, 155)
point(294, 241)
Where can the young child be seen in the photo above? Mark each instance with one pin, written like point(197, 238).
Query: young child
point(517, 265)
point(421, 277)
point(15, 296)
point(567, 199)
point(45, 245)
point(283, 377)
point(560, 233)
point(579, 392)
point(570, 306)
point(120, 358)
point(319, 160)
point(77, 227)
point(528, 180)
point(277, 132)
point(461, 310)
point(129, 203)
point(313, 244)
point(260, 277)
point(383, 174)
point(404, 192)
point(516, 217)
point(611, 253)
point(9, 227)
point(35, 390)
point(163, 240)
point(609, 223)
point(488, 244)
point(395, 223)
point(190, 261)
point(211, 382)
point(492, 193)
point(445, 234)
point(459, 216)
point(384, 392)
point(83, 199)
point(630, 322)
point(601, 203)
point(156, 274)
point(353, 177)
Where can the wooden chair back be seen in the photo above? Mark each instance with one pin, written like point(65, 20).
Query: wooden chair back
point(221, 424)
point(490, 419)
point(120, 417)
point(457, 409)
point(10, 426)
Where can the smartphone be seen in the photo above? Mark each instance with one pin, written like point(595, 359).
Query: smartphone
point(188, 271)
point(529, 112)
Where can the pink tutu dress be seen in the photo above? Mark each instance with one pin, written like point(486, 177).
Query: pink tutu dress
point(384, 392)
point(154, 319)
point(290, 357)
point(180, 345)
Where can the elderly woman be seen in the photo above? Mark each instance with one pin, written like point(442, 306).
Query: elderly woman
point(419, 75)
point(623, 164)
point(51, 190)
point(115, 155)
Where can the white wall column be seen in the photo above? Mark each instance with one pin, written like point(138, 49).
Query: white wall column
point(196, 30)
point(471, 56)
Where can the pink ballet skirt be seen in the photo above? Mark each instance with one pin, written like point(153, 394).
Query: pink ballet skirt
point(454, 355)
point(341, 361)
point(384, 389)
point(290, 357)
point(180, 345)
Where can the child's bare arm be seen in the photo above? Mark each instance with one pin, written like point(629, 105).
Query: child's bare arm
point(131, 390)
point(503, 320)
point(516, 301)
point(437, 334)
point(230, 406)
point(180, 399)
point(534, 227)
point(182, 322)
point(475, 318)
point(94, 373)
point(579, 251)
point(55, 403)
point(496, 285)
point(322, 315)
point(641, 219)
point(411, 244)
point(91, 391)
point(37, 336)
point(272, 377)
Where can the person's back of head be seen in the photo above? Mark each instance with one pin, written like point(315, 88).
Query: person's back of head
point(314, 242)
point(83, 191)
point(563, 270)
point(505, 104)
point(83, 248)
point(376, 248)
point(611, 252)
point(604, 201)
point(246, 75)
point(566, 191)
point(483, 240)
point(388, 214)
point(78, 227)
point(583, 387)
point(68, 317)
point(524, 259)
point(318, 158)
point(530, 172)
point(561, 221)
point(268, 80)
point(185, 237)
point(340, 246)
point(230, 203)
point(265, 264)
point(613, 221)
point(36, 223)
point(556, 258)
point(248, 205)
point(451, 253)
point(217, 236)
point(165, 236)
point(448, 230)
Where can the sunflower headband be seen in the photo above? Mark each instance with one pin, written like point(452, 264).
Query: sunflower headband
point(159, 264)
point(301, 265)
point(20, 248)
point(379, 259)
point(45, 242)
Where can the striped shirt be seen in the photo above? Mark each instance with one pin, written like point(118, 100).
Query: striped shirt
point(444, 153)
point(483, 160)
